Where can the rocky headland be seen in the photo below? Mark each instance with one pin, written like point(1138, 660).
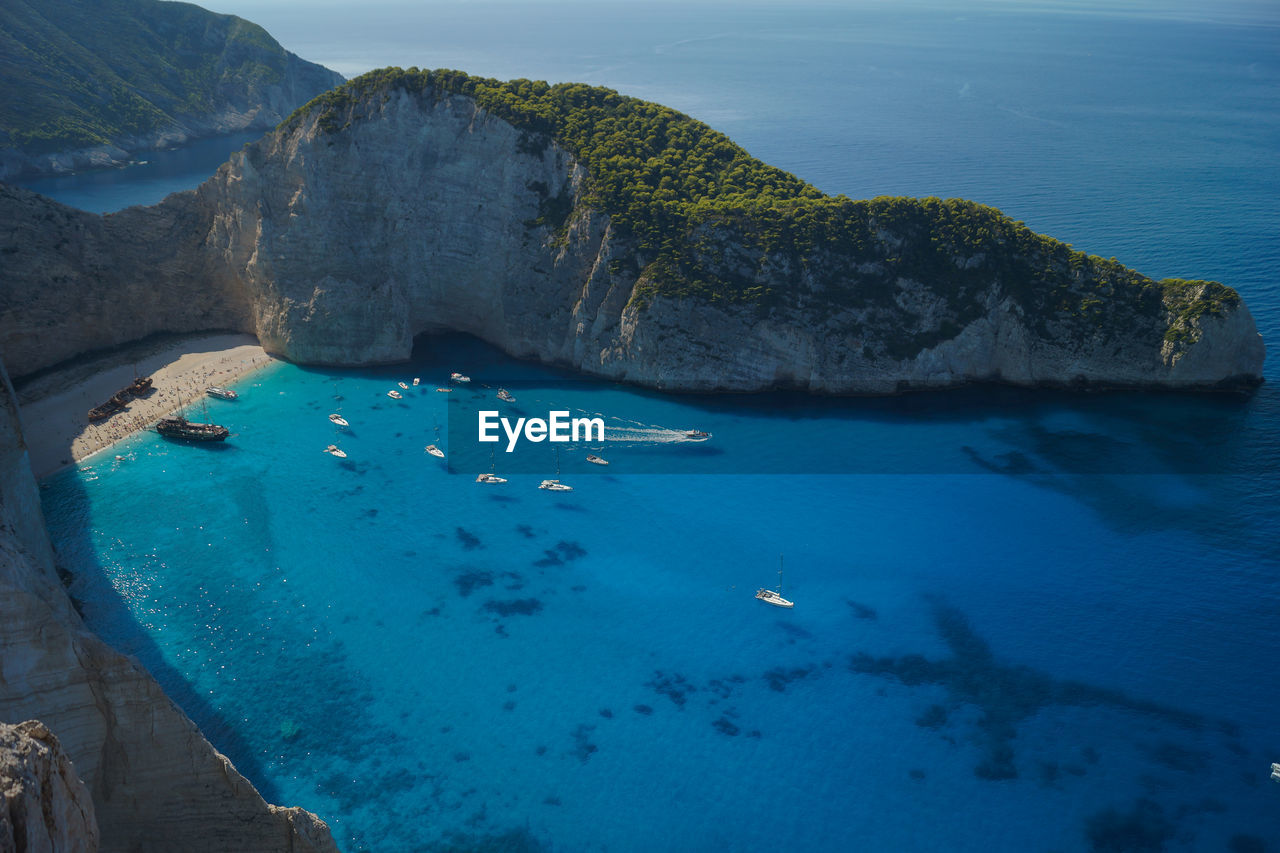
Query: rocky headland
point(415, 202)
point(93, 84)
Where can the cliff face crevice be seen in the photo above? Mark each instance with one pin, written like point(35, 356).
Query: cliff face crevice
point(156, 784)
point(349, 231)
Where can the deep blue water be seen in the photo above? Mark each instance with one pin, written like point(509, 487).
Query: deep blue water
point(1000, 641)
point(153, 175)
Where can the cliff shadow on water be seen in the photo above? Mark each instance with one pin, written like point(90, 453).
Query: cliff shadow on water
point(89, 579)
point(1141, 460)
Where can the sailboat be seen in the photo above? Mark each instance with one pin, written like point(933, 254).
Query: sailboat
point(555, 485)
point(490, 477)
point(769, 596)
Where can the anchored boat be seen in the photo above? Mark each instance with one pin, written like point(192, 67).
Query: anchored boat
point(769, 596)
point(185, 430)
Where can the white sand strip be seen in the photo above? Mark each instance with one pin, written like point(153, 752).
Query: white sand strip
point(55, 407)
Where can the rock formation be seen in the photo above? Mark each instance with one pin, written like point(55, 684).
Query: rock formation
point(156, 783)
point(349, 231)
point(44, 807)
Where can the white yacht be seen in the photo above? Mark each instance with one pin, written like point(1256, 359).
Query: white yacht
point(459, 378)
point(769, 596)
point(489, 478)
point(597, 460)
point(334, 450)
point(395, 395)
point(435, 451)
point(338, 419)
point(416, 380)
point(403, 385)
point(505, 396)
point(221, 393)
point(554, 486)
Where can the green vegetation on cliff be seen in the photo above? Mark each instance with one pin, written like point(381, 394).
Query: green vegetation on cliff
point(79, 74)
point(710, 220)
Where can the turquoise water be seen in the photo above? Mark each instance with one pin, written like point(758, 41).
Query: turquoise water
point(1023, 621)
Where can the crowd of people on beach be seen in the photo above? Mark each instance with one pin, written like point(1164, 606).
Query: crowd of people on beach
point(143, 412)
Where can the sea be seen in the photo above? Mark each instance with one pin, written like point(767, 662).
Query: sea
point(1023, 621)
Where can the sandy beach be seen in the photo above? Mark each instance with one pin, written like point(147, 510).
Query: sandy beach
point(55, 407)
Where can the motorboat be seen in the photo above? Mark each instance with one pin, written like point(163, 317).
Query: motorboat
point(597, 460)
point(489, 478)
point(395, 395)
point(505, 396)
point(339, 419)
point(416, 380)
point(444, 390)
point(403, 385)
point(774, 597)
point(459, 378)
point(435, 451)
point(221, 393)
point(697, 435)
point(554, 486)
point(334, 450)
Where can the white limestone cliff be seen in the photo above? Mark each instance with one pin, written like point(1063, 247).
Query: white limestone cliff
point(156, 783)
point(422, 212)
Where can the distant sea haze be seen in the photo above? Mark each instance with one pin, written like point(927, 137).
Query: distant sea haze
point(1016, 650)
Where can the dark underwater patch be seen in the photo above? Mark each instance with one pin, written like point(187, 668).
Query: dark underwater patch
point(933, 718)
point(511, 841)
point(518, 606)
point(583, 748)
point(1007, 694)
point(675, 687)
point(1142, 829)
point(1177, 757)
point(860, 610)
point(469, 540)
point(778, 678)
point(469, 582)
point(725, 726)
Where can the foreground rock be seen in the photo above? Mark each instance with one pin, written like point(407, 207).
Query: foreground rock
point(44, 807)
point(155, 782)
